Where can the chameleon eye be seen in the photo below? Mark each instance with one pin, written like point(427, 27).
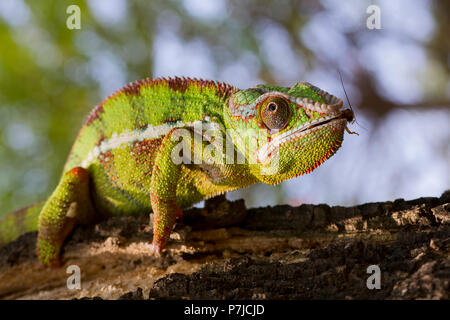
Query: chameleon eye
point(272, 106)
point(275, 113)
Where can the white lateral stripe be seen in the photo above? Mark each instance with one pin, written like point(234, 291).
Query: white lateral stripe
point(151, 132)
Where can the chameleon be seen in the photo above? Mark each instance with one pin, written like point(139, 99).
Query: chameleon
point(162, 145)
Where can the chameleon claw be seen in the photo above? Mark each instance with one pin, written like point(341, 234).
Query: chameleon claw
point(155, 250)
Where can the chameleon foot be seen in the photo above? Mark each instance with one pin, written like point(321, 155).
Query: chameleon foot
point(67, 206)
point(155, 250)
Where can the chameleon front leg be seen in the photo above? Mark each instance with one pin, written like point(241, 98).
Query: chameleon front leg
point(69, 204)
point(165, 177)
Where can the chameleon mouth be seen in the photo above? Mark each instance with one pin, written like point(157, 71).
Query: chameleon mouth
point(335, 121)
point(346, 114)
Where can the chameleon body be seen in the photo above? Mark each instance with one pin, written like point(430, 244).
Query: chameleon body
point(162, 145)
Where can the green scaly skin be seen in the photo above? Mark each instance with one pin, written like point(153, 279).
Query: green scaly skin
point(122, 160)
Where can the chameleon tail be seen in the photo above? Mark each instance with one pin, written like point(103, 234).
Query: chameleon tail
point(18, 222)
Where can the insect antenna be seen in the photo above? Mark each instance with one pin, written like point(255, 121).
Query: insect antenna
point(348, 101)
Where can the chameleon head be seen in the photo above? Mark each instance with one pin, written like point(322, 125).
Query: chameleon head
point(293, 130)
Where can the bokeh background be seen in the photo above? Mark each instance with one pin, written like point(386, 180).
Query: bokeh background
point(397, 79)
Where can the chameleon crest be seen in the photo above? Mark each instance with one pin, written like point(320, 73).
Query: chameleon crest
point(163, 145)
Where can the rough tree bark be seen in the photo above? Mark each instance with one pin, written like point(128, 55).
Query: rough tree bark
point(225, 251)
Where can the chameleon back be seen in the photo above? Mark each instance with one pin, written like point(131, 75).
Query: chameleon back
point(120, 138)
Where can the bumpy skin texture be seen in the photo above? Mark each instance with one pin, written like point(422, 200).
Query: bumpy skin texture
point(122, 161)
